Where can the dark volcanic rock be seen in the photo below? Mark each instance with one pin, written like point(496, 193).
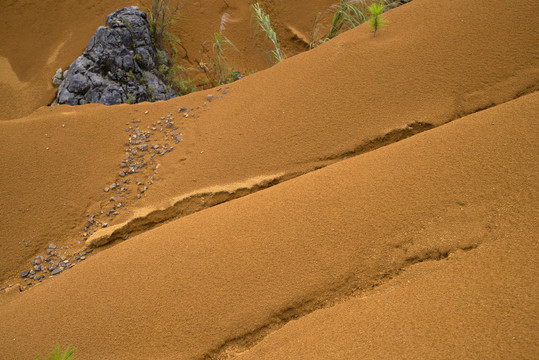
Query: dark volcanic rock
point(119, 65)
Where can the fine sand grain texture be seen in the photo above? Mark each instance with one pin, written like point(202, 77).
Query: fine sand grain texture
point(370, 198)
point(345, 97)
point(242, 269)
point(477, 304)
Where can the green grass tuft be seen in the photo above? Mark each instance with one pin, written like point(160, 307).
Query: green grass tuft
point(348, 14)
point(216, 68)
point(160, 18)
point(221, 42)
point(57, 354)
point(264, 23)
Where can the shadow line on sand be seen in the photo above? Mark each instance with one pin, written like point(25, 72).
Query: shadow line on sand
point(147, 219)
point(346, 291)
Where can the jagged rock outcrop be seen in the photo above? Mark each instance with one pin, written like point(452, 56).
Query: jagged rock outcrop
point(120, 64)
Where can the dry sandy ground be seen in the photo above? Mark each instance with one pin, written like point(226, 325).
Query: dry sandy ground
point(352, 240)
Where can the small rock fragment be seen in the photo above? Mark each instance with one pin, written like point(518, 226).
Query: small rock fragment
point(56, 271)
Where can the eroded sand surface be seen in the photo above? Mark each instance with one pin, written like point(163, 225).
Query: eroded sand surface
point(377, 196)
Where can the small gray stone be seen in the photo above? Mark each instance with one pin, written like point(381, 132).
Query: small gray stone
point(37, 268)
point(25, 273)
point(106, 189)
point(209, 97)
point(52, 246)
point(104, 225)
point(56, 271)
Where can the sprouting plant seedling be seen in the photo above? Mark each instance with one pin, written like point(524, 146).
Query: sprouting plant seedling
point(264, 23)
point(376, 20)
point(57, 354)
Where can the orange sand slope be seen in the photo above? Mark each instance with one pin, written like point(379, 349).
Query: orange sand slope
point(341, 98)
point(218, 280)
point(227, 280)
point(480, 304)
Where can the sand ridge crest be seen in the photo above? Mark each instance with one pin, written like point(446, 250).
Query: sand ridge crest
point(146, 218)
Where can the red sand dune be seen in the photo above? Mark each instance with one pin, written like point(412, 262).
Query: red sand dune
point(345, 250)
